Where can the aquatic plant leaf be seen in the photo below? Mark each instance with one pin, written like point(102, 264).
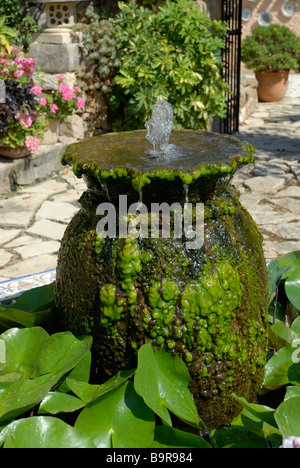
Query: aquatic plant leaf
point(90, 392)
point(259, 419)
point(162, 380)
point(33, 352)
point(275, 274)
point(118, 419)
point(168, 437)
point(81, 372)
point(237, 436)
point(291, 392)
point(56, 402)
point(23, 395)
point(291, 259)
point(295, 326)
point(32, 308)
point(35, 364)
point(292, 288)
point(283, 367)
point(46, 432)
point(287, 334)
point(287, 417)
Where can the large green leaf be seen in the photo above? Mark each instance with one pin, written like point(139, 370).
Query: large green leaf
point(35, 364)
point(23, 395)
point(90, 392)
point(56, 402)
point(291, 392)
point(237, 436)
point(292, 288)
point(275, 274)
point(33, 352)
point(163, 382)
point(283, 367)
point(46, 432)
point(291, 259)
point(287, 334)
point(287, 417)
point(118, 419)
point(168, 437)
point(32, 308)
point(260, 420)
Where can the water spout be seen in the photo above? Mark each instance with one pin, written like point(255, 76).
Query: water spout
point(159, 127)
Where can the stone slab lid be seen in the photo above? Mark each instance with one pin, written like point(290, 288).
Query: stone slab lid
point(190, 155)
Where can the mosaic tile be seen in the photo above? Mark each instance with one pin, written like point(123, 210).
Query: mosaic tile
point(12, 288)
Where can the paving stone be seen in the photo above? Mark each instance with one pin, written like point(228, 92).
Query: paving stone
point(292, 191)
point(38, 248)
point(7, 235)
point(56, 211)
point(22, 240)
point(281, 248)
point(18, 211)
point(29, 267)
point(69, 196)
point(51, 186)
point(267, 184)
point(48, 229)
point(289, 231)
point(291, 204)
point(5, 257)
point(264, 217)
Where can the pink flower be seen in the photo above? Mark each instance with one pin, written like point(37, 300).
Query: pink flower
point(53, 108)
point(60, 78)
point(32, 143)
point(80, 103)
point(67, 93)
point(18, 73)
point(25, 118)
point(36, 90)
point(77, 89)
point(43, 102)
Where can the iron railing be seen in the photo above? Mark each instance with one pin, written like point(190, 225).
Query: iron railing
point(232, 15)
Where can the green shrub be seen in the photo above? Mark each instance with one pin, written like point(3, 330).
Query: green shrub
point(175, 55)
point(273, 48)
point(7, 34)
point(19, 18)
point(100, 54)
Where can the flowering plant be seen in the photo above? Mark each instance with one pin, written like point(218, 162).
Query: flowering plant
point(61, 102)
point(24, 115)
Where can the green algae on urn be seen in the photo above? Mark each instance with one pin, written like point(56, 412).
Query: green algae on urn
point(209, 306)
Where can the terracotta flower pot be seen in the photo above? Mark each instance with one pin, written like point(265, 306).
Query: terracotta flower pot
point(272, 86)
point(13, 153)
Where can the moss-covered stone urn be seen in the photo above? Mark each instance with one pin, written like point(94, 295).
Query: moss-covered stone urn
point(207, 304)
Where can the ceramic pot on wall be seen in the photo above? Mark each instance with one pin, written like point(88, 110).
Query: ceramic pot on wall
point(13, 153)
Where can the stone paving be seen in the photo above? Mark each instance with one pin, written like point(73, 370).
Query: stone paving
point(33, 221)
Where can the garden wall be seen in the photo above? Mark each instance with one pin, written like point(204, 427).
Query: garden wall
point(277, 8)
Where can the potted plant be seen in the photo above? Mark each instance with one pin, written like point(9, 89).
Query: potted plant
point(271, 52)
point(25, 115)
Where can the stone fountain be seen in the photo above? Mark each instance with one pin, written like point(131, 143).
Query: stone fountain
point(200, 292)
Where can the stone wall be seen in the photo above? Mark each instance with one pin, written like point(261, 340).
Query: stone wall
point(248, 95)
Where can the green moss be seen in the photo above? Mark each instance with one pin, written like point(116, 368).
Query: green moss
point(111, 309)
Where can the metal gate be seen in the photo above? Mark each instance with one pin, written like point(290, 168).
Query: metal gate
point(232, 15)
